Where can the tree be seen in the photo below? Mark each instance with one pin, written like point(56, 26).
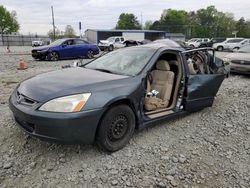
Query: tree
point(243, 28)
point(69, 31)
point(174, 21)
point(128, 21)
point(8, 21)
point(148, 25)
point(57, 34)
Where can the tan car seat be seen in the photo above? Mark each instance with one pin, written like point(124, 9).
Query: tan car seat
point(162, 81)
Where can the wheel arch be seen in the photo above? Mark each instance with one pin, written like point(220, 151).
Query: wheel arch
point(119, 101)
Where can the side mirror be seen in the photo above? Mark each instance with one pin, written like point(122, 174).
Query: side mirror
point(64, 45)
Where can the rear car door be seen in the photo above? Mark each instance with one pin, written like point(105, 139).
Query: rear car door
point(201, 86)
point(81, 48)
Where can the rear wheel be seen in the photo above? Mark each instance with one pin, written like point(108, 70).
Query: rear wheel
point(220, 48)
point(116, 128)
point(90, 54)
point(53, 56)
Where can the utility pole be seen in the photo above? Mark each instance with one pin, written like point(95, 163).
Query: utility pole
point(141, 22)
point(53, 23)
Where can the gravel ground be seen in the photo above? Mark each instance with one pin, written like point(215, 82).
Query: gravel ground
point(210, 148)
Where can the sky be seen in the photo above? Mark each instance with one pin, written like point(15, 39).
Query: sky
point(34, 16)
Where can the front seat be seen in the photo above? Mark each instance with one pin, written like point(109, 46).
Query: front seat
point(162, 81)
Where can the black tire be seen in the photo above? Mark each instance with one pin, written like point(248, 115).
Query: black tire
point(90, 54)
point(116, 128)
point(111, 48)
point(53, 56)
point(220, 48)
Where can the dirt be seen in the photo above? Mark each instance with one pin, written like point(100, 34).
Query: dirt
point(210, 148)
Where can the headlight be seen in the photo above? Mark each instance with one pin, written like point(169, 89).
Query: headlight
point(226, 61)
point(41, 51)
point(72, 103)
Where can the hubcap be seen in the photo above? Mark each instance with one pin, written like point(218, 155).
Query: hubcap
point(118, 128)
point(54, 56)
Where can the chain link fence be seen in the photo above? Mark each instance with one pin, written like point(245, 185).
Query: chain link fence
point(21, 40)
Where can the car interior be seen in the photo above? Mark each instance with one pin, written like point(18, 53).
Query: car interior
point(164, 79)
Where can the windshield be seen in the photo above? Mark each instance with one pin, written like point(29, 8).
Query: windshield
point(245, 49)
point(57, 42)
point(129, 61)
point(192, 40)
point(111, 39)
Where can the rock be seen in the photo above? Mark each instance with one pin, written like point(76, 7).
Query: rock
point(164, 158)
point(7, 165)
point(174, 159)
point(113, 172)
point(84, 165)
point(182, 159)
point(169, 177)
point(114, 182)
point(202, 175)
point(161, 185)
point(128, 183)
point(173, 183)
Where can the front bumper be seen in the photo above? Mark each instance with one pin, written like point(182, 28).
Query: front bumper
point(39, 55)
point(70, 128)
point(240, 68)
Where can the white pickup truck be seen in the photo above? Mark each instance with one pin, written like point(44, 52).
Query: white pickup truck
point(111, 43)
point(37, 42)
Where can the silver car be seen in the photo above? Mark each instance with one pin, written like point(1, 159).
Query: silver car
point(239, 61)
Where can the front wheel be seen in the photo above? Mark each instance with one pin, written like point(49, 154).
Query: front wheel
point(116, 128)
point(111, 48)
point(53, 56)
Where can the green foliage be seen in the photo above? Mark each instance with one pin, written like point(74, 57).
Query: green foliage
point(8, 21)
point(128, 21)
point(205, 22)
point(58, 34)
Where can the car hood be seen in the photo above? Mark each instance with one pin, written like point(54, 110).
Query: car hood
point(238, 56)
point(104, 41)
point(65, 82)
point(42, 48)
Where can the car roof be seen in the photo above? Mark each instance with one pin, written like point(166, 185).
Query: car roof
point(158, 46)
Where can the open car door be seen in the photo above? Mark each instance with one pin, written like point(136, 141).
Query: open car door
point(202, 85)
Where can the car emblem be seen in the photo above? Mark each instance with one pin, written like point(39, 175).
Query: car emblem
point(19, 99)
point(242, 62)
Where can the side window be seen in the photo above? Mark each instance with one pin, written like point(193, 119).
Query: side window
point(197, 62)
point(78, 41)
point(117, 40)
point(69, 42)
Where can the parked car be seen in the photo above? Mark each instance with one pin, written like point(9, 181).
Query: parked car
point(239, 61)
point(196, 43)
point(111, 43)
point(211, 42)
point(237, 46)
point(105, 100)
point(229, 43)
point(129, 43)
point(65, 49)
point(38, 42)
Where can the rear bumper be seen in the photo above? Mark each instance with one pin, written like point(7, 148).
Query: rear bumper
point(70, 128)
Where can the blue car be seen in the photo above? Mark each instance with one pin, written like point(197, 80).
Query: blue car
point(65, 49)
